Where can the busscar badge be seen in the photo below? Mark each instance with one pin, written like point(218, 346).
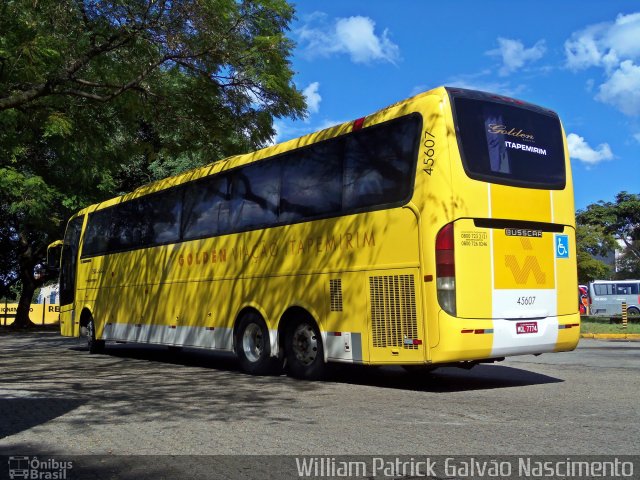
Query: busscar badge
point(522, 232)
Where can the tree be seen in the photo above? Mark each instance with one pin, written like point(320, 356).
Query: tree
point(591, 243)
point(604, 224)
point(627, 264)
point(97, 97)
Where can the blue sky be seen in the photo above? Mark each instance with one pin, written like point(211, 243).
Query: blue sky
point(579, 58)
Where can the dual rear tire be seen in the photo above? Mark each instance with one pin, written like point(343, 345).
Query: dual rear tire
point(303, 349)
point(304, 355)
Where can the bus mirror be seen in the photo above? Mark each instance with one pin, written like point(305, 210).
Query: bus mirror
point(54, 251)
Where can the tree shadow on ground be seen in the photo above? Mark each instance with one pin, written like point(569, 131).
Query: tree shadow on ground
point(19, 414)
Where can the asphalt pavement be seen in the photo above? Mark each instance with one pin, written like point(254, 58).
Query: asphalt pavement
point(56, 398)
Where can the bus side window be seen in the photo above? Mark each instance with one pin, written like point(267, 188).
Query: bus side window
point(312, 182)
point(164, 210)
point(255, 195)
point(99, 228)
point(627, 289)
point(603, 289)
point(203, 201)
point(377, 163)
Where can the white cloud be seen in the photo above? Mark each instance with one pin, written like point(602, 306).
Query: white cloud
point(614, 47)
point(583, 50)
point(353, 36)
point(622, 89)
point(514, 55)
point(605, 44)
point(581, 150)
point(313, 97)
point(637, 137)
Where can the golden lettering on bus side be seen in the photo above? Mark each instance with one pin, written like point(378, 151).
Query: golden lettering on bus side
point(202, 257)
point(255, 252)
point(296, 246)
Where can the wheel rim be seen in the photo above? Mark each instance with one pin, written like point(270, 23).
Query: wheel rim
point(305, 344)
point(253, 342)
point(633, 312)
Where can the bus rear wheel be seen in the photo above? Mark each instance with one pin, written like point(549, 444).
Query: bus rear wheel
point(633, 312)
point(95, 346)
point(253, 346)
point(303, 350)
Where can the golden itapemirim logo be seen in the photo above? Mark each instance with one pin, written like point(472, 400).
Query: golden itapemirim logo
point(512, 132)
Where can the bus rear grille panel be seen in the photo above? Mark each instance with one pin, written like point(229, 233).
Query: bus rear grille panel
point(394, 320)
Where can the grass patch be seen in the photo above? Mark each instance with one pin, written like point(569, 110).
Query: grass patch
point(604, 325)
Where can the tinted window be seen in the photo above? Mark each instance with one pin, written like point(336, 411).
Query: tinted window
point(312, 182)
point(162, 211)
point(204, 201)
point(378, 164)
point(129, 227)
point(255, 195)
point(368, 169)
point(145, 221)
point(626, 289)
point(603, 289)
point(98, 232)
point(69, 260)
point(509, 144)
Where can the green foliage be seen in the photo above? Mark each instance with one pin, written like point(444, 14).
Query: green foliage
point(601, 226)
point(628, 264)
point(98, 97)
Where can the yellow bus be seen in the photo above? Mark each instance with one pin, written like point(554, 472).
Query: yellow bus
point(437, 231)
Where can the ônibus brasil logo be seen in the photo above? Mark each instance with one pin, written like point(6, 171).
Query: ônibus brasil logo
point(35, 469)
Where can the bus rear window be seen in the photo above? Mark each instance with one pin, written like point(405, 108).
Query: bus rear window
point(510, 145)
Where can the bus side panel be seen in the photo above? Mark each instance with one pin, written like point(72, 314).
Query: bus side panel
point(67, 314)
point(434, 200)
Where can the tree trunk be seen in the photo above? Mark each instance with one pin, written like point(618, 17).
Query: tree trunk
point(24, 303)
point(28, 261)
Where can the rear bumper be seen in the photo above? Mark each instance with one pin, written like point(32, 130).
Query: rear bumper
point(477, 339)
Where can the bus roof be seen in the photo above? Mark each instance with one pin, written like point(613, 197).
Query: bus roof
point(276, 149)
point(242, 159)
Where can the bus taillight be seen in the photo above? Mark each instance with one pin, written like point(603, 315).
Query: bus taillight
point(446, 269)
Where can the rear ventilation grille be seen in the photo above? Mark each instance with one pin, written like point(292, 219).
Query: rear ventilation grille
point(393, 311)
point(335, 292)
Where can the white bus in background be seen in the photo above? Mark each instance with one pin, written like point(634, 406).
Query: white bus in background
point(606, 297)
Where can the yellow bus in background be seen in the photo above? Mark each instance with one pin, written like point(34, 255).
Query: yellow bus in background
point(436, 231)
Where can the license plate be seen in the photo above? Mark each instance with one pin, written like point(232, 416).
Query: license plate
point(526, 327)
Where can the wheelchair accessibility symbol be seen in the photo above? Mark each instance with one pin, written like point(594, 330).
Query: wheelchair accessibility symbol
point(562, 246)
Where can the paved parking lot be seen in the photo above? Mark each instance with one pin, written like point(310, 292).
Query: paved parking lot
point(55, 398)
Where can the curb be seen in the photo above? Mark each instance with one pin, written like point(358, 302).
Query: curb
point(611, 336)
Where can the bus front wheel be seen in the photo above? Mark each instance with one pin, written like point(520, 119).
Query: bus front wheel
point(303, 350)
point(253, 346)
point(95, 346)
